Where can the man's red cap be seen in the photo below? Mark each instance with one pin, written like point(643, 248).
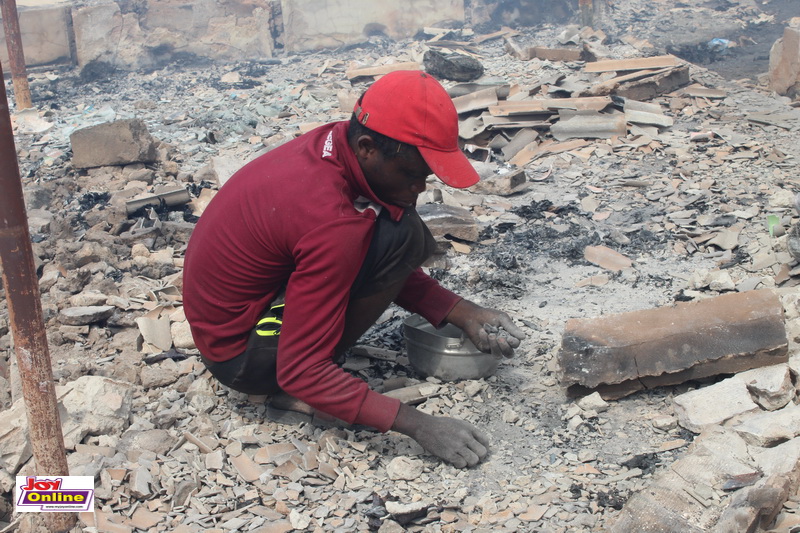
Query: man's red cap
point(410, 106)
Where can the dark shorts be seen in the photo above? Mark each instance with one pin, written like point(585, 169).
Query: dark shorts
point(396, 250)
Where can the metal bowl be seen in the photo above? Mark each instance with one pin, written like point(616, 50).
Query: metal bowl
point(445, 353)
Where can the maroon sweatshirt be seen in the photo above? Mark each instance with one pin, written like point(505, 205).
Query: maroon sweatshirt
point(301, 215)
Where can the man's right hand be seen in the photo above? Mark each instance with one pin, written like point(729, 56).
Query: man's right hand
point(455, 441)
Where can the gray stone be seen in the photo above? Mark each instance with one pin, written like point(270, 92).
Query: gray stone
point(15, 447)
point(592, 402)
point(729, 397)
point(82, 316)
point(784, 62)
point(139, 483)
point(95, 406)
point(771, 386)
point(158, 441)
point(768, 429)
point(112, 143)
point(182, 335)
point(405, 468)
point(159, 374)
point(88, 299)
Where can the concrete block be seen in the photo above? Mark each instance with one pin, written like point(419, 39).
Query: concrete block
point(112, 143)
point(669, 345)
point(313, 24)
point(44, 30)
point(784, 62)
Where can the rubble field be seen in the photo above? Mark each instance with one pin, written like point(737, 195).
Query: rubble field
point(673, 186)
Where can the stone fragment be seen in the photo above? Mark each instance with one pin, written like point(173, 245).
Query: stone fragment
point(404, 513)
point(405, 468)
point(784, 63)
point(729, 397)
point(215, 460)
point(81, 316)
point(768, 429)
point(182, 335)
point(95, 406)
point(500, 181)
point(88, 299)
point(668, 345)
point(390, 526)
point(456, 67)
point(159, 374)
point(156, 440)
point(139, 483)
point(112, 143)
point(247, 469)
point(664, 422)
point(771, 386)
point(15, 447)
point(449, 220)
point(607, 258)
point(144, 519)
point(592, 402)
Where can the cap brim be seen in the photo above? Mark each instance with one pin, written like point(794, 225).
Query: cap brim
point(453, 168)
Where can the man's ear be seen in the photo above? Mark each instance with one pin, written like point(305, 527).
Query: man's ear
point(365, 146)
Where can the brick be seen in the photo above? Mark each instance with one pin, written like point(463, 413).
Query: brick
point(672, 344)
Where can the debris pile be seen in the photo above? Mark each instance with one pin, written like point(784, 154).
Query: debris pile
point(594, 202)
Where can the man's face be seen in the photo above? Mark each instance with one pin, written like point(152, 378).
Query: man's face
point(397, 180)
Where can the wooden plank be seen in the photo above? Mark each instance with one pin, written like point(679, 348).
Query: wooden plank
point(608, 86)
point(478, 100)
point(556, 54)
point(549, 105)
point(641, 63)
point(532, 151)
point(381, 70)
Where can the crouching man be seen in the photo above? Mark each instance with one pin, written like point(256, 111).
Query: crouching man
point(303, 248)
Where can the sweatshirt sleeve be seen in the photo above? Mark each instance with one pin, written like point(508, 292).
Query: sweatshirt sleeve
point(327, 261)
point(423, 294)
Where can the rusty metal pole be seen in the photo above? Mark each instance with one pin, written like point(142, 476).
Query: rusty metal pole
point(16, 58)
point(25, 317)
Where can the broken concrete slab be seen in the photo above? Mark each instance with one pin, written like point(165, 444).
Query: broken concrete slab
point(693, 494)
point(769, 429)
point(120, 142)
point(729, 397)
point(668, 345)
